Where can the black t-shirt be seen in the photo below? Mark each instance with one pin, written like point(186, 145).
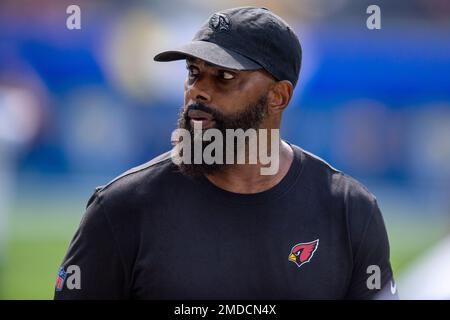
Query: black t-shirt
point(154, 233)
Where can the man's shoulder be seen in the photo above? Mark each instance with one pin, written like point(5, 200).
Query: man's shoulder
point(137, 180)
point(341, 195)
point(336, 183)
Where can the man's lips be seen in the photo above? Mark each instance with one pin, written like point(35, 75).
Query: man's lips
point(199, 115)
point(206, 119)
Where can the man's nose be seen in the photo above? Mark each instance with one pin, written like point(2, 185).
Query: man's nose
point(200, 90)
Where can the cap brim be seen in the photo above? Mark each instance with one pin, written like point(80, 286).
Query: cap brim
point(212, 53)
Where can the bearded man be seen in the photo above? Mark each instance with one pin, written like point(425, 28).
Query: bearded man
point(205, 220)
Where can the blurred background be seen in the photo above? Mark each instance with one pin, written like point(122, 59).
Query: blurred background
point(79, 107)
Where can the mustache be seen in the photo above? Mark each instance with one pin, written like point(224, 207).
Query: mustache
point(218, 116)
point(251, 117)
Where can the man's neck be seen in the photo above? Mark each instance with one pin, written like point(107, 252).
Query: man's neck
point(248, 178)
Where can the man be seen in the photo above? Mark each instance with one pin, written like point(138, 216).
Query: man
point(180, 229)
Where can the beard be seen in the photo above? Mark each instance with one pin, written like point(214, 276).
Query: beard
point(251, 118)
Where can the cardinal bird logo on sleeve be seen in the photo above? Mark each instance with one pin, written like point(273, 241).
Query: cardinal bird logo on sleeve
point(303, 252)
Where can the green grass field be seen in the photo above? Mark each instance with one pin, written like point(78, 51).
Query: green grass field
point(40, 232)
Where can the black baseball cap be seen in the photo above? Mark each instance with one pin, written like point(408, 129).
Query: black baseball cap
point(245, 38)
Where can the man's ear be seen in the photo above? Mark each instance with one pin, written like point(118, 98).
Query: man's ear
point(280, 94)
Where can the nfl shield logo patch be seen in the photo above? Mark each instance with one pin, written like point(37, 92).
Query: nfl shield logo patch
point(60, 279)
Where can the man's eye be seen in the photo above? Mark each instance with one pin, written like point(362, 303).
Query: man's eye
point(226, 75)
point(192, 71)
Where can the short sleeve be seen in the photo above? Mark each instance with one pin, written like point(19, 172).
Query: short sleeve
point(372, 276)
point(92, 253)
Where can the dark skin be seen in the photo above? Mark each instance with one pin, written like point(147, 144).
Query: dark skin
point(230, 91)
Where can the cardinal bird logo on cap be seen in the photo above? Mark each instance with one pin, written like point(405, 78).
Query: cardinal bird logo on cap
point(219, 22)
point(303, 252)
